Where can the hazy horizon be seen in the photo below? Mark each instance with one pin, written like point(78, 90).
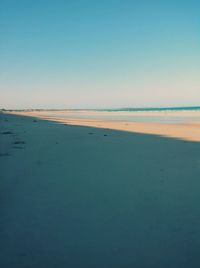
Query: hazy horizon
point(197, 107)
point(99, 54)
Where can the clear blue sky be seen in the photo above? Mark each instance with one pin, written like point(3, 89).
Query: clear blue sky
point(99, 53)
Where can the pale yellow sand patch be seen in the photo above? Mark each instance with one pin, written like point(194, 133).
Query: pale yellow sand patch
point(186, 131)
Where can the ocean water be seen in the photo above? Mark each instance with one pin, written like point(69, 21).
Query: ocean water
point(191, 108)
point(154, 115)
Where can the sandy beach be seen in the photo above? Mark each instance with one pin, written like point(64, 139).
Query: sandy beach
point(99, 134)
point(189, 130)
point(92, 196)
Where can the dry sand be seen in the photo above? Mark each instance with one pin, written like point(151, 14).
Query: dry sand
point(186, 131)
point(77, 196)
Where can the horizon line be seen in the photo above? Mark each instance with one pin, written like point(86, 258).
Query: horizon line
point(152, 108)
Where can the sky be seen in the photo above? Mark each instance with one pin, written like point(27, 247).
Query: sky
point(99, 53)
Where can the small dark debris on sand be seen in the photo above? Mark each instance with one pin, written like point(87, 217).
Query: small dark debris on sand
point(105, 135)
point(19, 142)
point(7, 132)
point(5, 154)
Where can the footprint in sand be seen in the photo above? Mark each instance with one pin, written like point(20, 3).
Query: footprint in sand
point(7, 133)
point(4, 154)
point(19, 142)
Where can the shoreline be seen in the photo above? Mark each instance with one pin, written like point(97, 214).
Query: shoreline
point(184, 131)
